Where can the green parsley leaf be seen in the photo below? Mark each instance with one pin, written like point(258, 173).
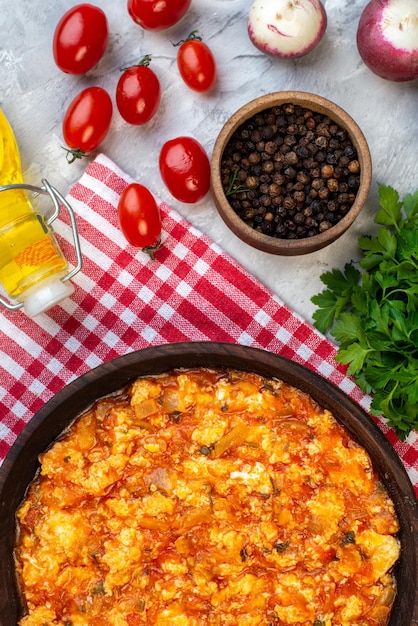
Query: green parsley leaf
point(410, 205)
point(373, 313)
point(325, 315)
point(354, 356)
point(339, 282)
point(348, 329)
point(407, 245)
point(389, 213)
point(334, 300)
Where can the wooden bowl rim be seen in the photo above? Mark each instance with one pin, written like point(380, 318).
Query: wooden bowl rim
point(54, 417)
point(319, 104)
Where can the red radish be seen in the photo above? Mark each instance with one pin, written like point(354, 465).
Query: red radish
point(286, 28)
point(387, 38)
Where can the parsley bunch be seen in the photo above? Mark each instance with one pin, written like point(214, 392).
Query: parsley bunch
point(372, 312)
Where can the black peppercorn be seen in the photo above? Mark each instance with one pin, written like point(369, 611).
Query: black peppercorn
point(267, 132)
point(290, 173)
point(327, 171)
point(332, 184)
point(295, 171)
point(251, 182)
point(271, 147)
point(323, 226)
point(268, 167)
point(354, 167)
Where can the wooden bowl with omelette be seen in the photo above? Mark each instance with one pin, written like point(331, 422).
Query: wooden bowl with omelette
point(205, 483)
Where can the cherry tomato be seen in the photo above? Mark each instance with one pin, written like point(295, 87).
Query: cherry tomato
point(185, 169)
point(138, 93)
point(86, 121)
point(80, 39)
point(139, 217)
point(196, 63)
point(157, 14)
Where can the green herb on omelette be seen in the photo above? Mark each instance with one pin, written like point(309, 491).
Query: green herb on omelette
point(372, 312)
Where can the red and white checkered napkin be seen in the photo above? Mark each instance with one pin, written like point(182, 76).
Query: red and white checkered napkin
point(125, 301)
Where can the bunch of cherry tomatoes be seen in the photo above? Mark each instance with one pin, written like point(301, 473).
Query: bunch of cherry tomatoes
point(80, 40)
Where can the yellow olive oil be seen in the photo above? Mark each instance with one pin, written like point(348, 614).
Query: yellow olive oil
point(29, 253)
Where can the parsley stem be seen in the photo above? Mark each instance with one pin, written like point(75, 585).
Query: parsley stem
point(232, 180)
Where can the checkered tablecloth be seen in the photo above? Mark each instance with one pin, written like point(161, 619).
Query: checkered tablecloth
point(125, 301)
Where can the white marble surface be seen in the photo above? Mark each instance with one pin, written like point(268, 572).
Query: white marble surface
point(34, 95)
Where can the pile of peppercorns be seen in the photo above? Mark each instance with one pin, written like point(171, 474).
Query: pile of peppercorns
point(290, 172)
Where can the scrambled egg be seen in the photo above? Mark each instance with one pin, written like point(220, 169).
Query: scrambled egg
point(207, 498)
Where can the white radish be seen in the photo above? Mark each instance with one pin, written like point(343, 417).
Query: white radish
point(286, 28)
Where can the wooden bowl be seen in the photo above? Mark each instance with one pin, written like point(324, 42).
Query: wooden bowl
point(269, 243)
point(21, 464)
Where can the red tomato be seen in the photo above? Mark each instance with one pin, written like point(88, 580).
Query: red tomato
point(138, 93)
point(196, 63)
point(80, 39)
point(87, 121)
point(139, 217)
point(185, 169)
point(157, 14)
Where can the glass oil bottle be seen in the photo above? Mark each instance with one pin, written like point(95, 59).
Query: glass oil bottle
point(33, 269)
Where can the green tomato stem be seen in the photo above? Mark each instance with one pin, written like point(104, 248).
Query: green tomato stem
point(73, 154)
point(191, 37)
point(144, 62)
